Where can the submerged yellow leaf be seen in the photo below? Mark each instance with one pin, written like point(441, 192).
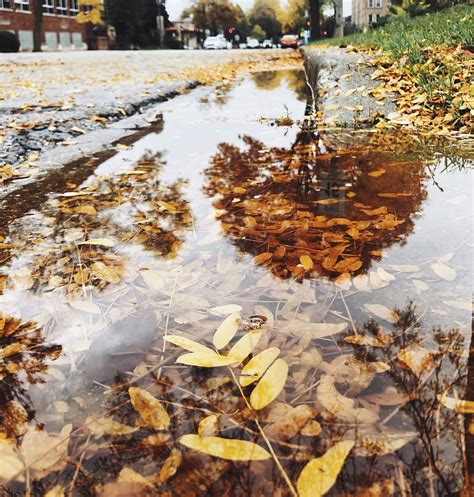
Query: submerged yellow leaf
point(226, 331)
point(458, 405)
point(245, 345)
point(257, 366)
point(152, 413)
point(444, 271)
point(188, 344)
point(233, 450)
point(270, 386)
point(203, 360)
point(320, 474)
point(128, 475)
point(382, 312)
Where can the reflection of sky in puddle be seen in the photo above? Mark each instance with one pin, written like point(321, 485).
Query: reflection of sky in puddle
point(210, 268)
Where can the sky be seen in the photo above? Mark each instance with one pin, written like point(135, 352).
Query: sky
point(175, 7)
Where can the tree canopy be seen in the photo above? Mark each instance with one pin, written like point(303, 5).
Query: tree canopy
point(215, 15)
point(266, 13)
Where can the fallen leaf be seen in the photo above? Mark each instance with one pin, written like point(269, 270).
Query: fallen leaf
point(322, 330)
point(418, 359)
point(102, 242)
point(306, 262)
point(203, 360)
point(208, 426)
point(262, 258)
point(444, 271)
point(225, 310)
point(382, 312)
point(270, 386)
point(233, 450)
point(154, 279)
point(170, 466)
point(458, 405)
point(320, 474)
point(226, 331)
point(377, 173)
point(107, 426)
point(257, 366)
point(188, 344)
point(245, 346)
point(128, 475)
point(459, 304)
point(152, 413)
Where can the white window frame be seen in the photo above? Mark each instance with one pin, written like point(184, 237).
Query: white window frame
point(73, 8)
point(48, 7)
point(370, 4)
point(378, 4)
point(61, 7)
point(4, 2)
point(22, 6)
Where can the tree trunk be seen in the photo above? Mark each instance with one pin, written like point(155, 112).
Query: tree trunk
point(468, 418)
point(315, 14)
point(38, 16)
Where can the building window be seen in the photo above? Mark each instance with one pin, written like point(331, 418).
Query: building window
point(370, 4)
point(378, 3)
point(73, 10)
point(5, 4)
point(370, 19)
point(22, 5)
point(48, 6)
point(62, 7)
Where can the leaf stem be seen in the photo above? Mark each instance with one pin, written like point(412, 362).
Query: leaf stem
point(267, 441)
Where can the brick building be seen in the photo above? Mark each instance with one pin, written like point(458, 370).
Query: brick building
point(60, 30)
point(365, 13)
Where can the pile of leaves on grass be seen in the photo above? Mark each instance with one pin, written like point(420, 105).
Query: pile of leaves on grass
point(427, 62)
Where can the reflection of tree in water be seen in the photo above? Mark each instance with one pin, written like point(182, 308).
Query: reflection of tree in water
point(23, 357)
point(130, 207)
point(296, 81)
point(340, 209)
point(432, 463)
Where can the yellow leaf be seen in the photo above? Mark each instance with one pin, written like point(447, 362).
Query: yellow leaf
point(170, 466)
point(257, 366)
point(188, 344)
point(152, 413)
point(458, 405)
point(209, 425)
point(233, 450)
point(306, 262)
point(107, 426)
point(205, 360)
point(262, 258)
point(226, 331)
point(56, 491)
point(103, 242)
point(418, 359)
point(320, 474)
point(128, 475)
point(270, 386)
point(245, 345)
point(377, 173)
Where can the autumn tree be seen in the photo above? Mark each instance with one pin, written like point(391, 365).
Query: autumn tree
point(258, 33)
point(215, 15)
point(265, 13)
point(294, 17)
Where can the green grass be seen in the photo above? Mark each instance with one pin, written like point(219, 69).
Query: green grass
point(407, 36)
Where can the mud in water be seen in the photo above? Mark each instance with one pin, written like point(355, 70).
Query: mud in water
point(350, 252)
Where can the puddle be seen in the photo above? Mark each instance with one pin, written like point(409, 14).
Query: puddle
point(355, 262)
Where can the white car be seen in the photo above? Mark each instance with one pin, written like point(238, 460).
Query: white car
point(253, 43)
point(267, 44)
point(215, 43)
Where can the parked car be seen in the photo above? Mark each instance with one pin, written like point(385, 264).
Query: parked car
point(289, 41)
point(242, 45)
point(215, 43)
point(267, 44)
point(253, 43)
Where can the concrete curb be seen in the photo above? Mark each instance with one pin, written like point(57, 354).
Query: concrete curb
point(342, 81)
